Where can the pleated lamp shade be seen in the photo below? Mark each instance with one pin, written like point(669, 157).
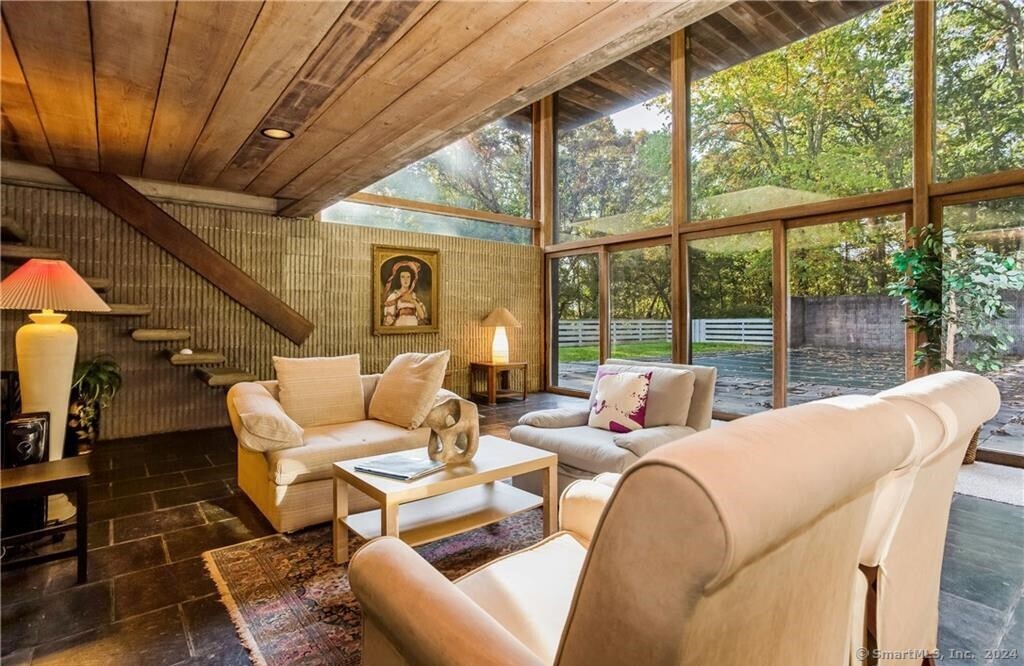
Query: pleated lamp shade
point(501, 317)
point(45, 284)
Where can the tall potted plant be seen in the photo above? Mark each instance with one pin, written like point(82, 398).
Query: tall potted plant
point(94, 384)
point(954, 289)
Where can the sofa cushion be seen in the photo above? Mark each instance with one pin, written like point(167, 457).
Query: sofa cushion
point(668, 400)
point(264, 424)
point(320, 391)
point(620, 400)
point(530, 592)
point(325, 445)
point(642, 442)
point(406, 390)
point(559, 417)
point(589, 449)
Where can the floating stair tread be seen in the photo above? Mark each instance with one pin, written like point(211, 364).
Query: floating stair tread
point(160, 334)
point(223, 377)
point(99, 283)
point(12, 252)
point(127, 310)
point(198, 357)
point(12, 232)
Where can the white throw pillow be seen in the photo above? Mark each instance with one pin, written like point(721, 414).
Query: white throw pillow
point(668, 401)
point(265, 426)
point(620, 400)
point(406, 391)
point(320, 390)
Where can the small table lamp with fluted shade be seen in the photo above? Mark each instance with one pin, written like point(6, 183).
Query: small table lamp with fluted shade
point(45, 349)
point(500, 319)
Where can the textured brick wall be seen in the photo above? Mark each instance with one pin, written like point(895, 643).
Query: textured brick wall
point(320, 269)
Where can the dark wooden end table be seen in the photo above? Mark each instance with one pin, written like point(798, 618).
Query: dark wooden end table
point(499, 383)
point(51, 478)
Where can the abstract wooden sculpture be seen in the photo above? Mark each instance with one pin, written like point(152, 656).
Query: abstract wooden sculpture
point(454, 431)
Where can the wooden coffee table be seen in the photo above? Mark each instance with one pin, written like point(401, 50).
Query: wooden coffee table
point(450, 501)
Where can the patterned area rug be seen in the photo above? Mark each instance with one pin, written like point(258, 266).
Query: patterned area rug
point(292, 605)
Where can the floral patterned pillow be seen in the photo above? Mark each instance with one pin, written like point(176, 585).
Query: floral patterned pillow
point(620, 401)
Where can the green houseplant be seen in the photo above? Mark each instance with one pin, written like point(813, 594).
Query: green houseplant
point(956, 290)
point(94, 384)
point(920, 287)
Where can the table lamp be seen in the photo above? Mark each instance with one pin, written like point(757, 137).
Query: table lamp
point(46, 348)
point(500, 319)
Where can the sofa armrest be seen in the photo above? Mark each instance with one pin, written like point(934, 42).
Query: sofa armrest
point(424, 616)
point(445, 394)
point(610, 479)
point(645, 440)
point(563, 417)
point(259, 421)
point(581, 506)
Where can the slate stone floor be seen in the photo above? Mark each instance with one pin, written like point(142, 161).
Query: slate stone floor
point(158, 502)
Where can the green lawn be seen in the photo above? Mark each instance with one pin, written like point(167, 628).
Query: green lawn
point(642, 350)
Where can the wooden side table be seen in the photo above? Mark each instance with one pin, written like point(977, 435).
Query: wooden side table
point(499, 384)
point(51, 478)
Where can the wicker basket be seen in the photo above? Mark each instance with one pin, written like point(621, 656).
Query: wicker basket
point(972, 448)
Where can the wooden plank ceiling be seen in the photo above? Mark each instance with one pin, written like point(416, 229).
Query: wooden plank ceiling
point(735, 34)
point(178, 91)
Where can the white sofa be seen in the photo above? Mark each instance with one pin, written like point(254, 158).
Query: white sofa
point(293, 487)
point(584, 452)
point(733, 546)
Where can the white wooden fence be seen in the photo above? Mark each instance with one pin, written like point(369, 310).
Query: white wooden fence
point(584, 332)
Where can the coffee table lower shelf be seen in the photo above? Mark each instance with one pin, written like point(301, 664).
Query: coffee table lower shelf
point(446, 515)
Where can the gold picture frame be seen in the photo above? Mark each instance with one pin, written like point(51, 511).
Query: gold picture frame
point(406, 290)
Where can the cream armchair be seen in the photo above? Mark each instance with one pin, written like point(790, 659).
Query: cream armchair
point(692, 558)
point(676, 408)
point(901, 558)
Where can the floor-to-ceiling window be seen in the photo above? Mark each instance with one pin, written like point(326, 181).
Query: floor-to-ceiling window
point(613, 132)
point(846, 332)
point(983, 280)
point(777, 176)
point(824, 117)
point(575, 331)
point(979, 87)
point(731, 317)
point(641, 304)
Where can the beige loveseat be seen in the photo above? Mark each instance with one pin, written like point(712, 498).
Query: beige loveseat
point(293, 487)
point(584, 452)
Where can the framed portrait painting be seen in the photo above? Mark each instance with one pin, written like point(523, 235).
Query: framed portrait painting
point(406, 290)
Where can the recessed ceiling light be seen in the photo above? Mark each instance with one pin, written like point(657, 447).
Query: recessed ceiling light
point(276, 133)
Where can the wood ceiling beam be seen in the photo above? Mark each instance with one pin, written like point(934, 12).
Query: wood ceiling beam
point(205, 42)
point(129, 44)
point(604, 38)
point(281, 41)
point(22, 131)
point(52, 43)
